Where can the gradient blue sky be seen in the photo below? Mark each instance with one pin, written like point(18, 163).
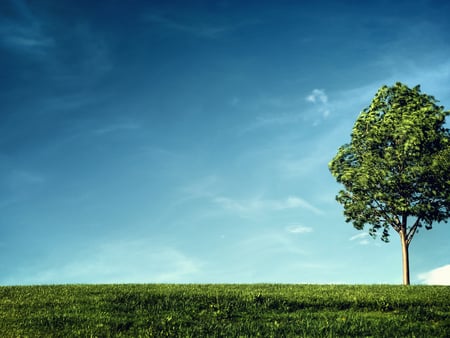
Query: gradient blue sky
point(188, 141)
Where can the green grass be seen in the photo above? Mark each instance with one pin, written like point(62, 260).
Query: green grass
point(266, 310)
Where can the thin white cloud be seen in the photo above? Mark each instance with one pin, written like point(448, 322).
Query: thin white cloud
point(280, 111)
point(438, 276)
point(359, 236)
point(238, 206)
point(272, 120)
point(307, 162)
point(258, 204)
point(204, 187)
point(25, 33)
point(317, 96)
point(277, 119)
point(433, 79)
point(297, 202)
point(299, 229)
point(28, 40)
point(362, 238)
point(270, 243)
point(127, 261)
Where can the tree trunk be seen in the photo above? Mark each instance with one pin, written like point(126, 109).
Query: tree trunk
point(405, 256)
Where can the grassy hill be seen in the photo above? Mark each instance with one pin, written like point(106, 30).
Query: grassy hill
point(267, 310)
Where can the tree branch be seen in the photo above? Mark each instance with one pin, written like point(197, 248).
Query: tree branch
point(396, 226)
point(412, 230)
point(394, 222)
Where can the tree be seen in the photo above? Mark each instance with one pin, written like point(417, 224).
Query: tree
point(396, 168)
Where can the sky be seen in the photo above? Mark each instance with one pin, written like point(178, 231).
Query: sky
point(189, 141)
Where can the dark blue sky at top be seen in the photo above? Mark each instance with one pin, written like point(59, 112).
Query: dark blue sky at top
point(152, 59)
point(190, 123)
point(225, 45)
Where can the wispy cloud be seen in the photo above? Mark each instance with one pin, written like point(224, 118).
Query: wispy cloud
point(119, 261)
point(269, 243)
point(194, 28)
point(438, 276)
point(297, 202)
point(432, 77)
point(317, 96)
point(272, 111)
point(362, 238)
point(279, 111)
point(268, 120)
point(73, 56)
point(25, 33)
point(258, 204)
point(299, 229)
point(203, 187)
point(26, 39)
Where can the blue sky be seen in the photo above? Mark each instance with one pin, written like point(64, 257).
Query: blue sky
point(188, 141)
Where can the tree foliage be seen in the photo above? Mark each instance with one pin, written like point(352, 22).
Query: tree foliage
point(397, 164)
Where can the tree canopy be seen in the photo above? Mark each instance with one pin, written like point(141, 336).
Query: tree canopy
point(397, 164)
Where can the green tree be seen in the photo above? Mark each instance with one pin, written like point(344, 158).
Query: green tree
point(396, 168)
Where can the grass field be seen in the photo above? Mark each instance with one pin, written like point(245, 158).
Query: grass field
point(266, 310)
